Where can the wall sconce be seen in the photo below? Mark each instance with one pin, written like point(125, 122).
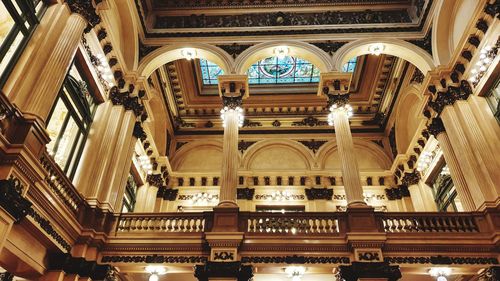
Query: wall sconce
point(281, 51)
point(376, 49)
point(188, 53)
point(145, 163)
point(295, 272)
point(486, 57)
point(425, 160)
point(155, 271)
point(440, 273)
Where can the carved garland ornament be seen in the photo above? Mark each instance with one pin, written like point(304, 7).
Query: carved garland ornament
point(155, 259)
point(295, 259)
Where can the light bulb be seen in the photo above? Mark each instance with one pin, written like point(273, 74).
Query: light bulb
point(154, 277)
point(441, 278)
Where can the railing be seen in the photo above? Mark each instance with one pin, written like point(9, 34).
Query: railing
point(60, 184)
point(165, 222)
point(428, 222)
point(293, 223)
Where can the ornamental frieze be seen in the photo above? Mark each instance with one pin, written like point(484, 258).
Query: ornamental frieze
point(295, 259)
point(244, 145)
point(313, 145)
point(309, 121)
point(154, 259)
point(441, 260)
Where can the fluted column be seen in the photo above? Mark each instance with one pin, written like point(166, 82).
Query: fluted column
point(229, 179)
point(437, 129)
point(350, 170)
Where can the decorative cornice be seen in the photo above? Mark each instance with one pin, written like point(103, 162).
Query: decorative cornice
point(155, 180)
point(319, 193)
point(397, 192)
point(411, 178)
point(49, 229)
point(86, 9)
point(441, 260)
point(329, 46)
point(369, 270)
point(295, 259)
point(12, 201)
point(309, 121)
point(313, 145)
point(211, 270)
point(180, 123)
point(244, 145)
point(139, 132)
point(436, 127)
point(81, 267)
point(168, 194)
point(245, 193)
point(154, 259)
point(235, 49)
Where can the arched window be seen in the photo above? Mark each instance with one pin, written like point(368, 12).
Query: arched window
point(285, 70)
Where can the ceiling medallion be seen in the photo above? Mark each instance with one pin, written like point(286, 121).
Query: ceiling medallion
point(188, 53)
point(376, 49)
point(281, 51)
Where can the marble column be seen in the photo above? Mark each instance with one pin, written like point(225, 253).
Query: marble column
point(51, 78)
point(350, 172)
point(229, 179)
point(436, 128)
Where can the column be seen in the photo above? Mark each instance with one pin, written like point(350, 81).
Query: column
point(107, 156)
point(436, 128)
point(141, 199)
point(335, 86)
point(154, 182)
point(232, 89)
point(51, 78)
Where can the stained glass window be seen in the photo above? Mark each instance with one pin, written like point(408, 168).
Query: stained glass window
point(209, 72)
point(350, 65)
point(272, 70)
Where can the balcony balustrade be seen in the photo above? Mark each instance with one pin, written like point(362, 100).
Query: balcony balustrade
point(429, 222)
point(165, 222)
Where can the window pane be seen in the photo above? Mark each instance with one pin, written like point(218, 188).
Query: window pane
point(10, 51)
point(6, 23)
point(56, 121)
point(66, 142)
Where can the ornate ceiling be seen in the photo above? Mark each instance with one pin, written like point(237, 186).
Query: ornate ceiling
point(281, 108)
point(253, 20)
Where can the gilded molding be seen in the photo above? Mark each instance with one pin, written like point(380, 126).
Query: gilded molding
point(295, 259)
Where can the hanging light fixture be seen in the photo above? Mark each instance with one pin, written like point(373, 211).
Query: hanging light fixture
point(376, 49)
point(281, 51)
point(237, 109)
point(440, 273)
point(295, 272)
point(188, 53)
point(155, 272)
point(486, 57)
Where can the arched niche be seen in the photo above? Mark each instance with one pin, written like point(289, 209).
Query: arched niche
point(277, 155)
point(408, 117)
point(198, 156)
point(370, 157)
point(298, 49)
point(170, 53)
point(395, 47)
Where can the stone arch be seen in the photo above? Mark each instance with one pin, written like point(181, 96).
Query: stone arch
point(299, 49)
point(198, 156)
point(396, 47)
point(373, 156)
point(121, 16)
point(451, 20)
point(277, 154)
point(171, 53)
point(407, 117)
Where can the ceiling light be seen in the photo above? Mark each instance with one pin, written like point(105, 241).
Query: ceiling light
point(281, 51)
point(440, 273)
point(295, 272)
point(376, 49)
point(155, 271)
point(188, 53)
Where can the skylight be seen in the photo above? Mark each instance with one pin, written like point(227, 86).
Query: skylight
point(273, 70)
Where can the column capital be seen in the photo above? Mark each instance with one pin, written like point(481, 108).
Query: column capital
point(411, 178)
point(86, 9)
point(155, 180)
point(233, 86)
point(436, 127)
point(452, 94)
point(337, 101)
point(232, 102)
point(369, 270)
point(139, 132)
